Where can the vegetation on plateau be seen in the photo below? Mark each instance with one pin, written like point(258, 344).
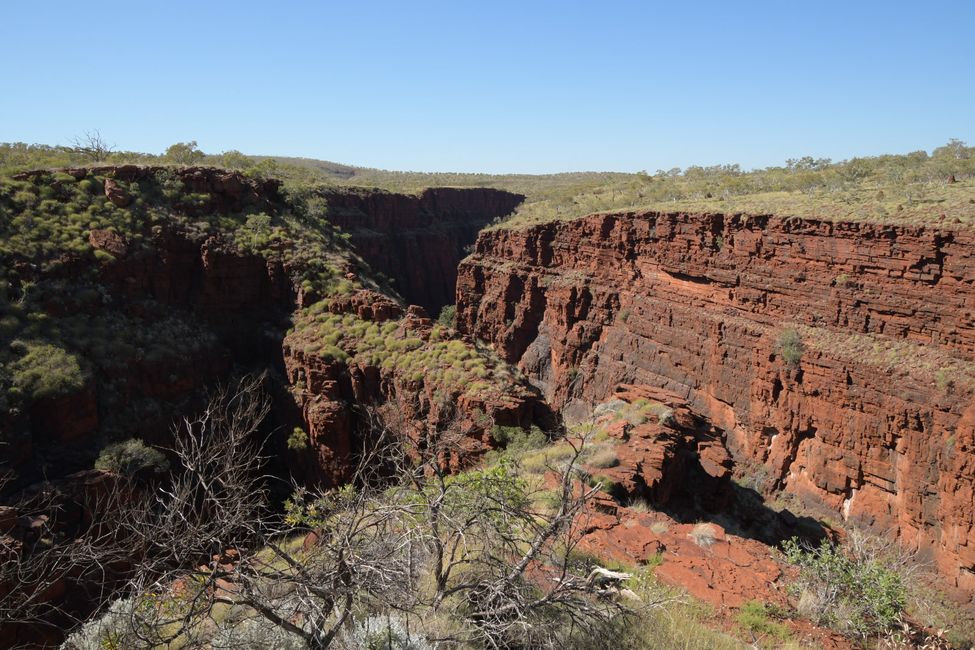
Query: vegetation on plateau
point(913, 188)
point(62, 326)
point(434, 356)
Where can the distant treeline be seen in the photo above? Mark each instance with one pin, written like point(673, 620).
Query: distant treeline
point(900, 187)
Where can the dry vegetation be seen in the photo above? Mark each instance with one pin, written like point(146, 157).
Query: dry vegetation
point(925, 364)
point(913, 188)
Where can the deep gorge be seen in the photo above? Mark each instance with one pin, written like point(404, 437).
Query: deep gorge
point(874, 420)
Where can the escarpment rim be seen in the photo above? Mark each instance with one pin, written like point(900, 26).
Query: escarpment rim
point(837, 355)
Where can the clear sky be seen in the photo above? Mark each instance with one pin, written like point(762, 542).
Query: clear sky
point(494, 86)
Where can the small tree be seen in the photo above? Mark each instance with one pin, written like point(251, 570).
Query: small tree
point(184, 153)
point(859, 589)
point(459, 559)
point(790, 346)
point(92, 146)
point(235, 160)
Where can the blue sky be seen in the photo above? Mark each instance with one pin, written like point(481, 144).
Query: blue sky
point(494, 86)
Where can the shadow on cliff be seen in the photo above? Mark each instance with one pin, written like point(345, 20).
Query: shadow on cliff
point(739, 510)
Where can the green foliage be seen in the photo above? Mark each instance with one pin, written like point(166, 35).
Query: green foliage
point(755, 616)
point(679, 623)
point(906, 188)
point(184, 153)
point(234, 159)
point(131, 457)
point(448, 316)
point(518, 438)
point(858, 594)
point(46, 370)
point(499, 483)
point(790, 346)
point(298, 440)
point(454, 366)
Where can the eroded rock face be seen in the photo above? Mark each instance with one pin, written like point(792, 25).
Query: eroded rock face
point(332, 394)
point(662, 449)
point(418, 240)
point(875, 418)
point(243, 303)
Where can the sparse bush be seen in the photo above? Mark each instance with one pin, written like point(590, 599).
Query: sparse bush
point(943, 380)
point(298, 440)
point(131, 457)
point(47, 370)
point(790, 346)
point(110, 631)
point(756, 617)
point(448, 316)
point(385, 633)
point(639, 504)
point(858, 590)
point(605, 457)
point(704, 535)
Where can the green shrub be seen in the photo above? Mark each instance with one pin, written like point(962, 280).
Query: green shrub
point(755, 617)
point(860, 593)
point(130, 457)
point(448, 316)
point(790, 346)
point(298, 440)
point(519, 439)
point(46, 370)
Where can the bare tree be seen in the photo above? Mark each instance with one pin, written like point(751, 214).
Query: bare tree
point(479, 557)
point(58, 540)
point(92, 146)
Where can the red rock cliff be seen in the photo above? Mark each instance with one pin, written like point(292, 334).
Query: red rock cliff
point(876, 417)
point(418, 240)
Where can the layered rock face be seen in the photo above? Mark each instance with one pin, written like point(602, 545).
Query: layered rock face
point(332, 396)
point(865, 406)
point(418, 240)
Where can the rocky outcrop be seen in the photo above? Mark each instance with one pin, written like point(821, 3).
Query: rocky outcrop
point(868, 410)
point(333, 395)
point(215, 190)
point(241, 304)
point(418, 240)
point(663, 450)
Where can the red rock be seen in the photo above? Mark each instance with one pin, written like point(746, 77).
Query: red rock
point(109, 241)
point(695, 303)
point(418, 240)
point(655, 454)
point(115, 193)
point(65, 417)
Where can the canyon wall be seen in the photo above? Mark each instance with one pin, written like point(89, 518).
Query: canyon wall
point(870, 412)
point(418, 240)
point(210, 289)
